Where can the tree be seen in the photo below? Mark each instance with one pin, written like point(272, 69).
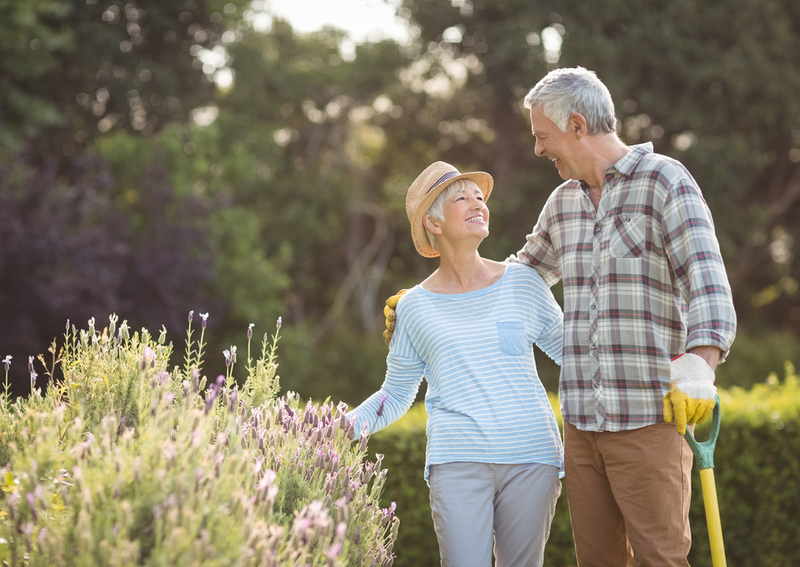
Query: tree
point(720, 98)
point(78, 241)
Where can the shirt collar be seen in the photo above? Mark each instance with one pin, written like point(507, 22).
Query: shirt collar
point(629, 161)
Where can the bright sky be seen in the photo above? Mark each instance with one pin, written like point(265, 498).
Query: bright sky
point(364, 20)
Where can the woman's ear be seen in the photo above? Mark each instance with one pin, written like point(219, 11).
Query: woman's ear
point(431, 224)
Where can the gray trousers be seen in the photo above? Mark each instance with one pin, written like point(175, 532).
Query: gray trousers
point(477, 507)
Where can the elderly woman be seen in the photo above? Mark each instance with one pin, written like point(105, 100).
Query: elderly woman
point(494, 455)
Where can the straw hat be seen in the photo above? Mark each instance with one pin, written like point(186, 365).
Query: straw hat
point(423, 193)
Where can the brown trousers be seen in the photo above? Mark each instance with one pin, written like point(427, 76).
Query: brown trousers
point(629, 495)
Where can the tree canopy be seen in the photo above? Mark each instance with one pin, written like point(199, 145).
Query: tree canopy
point(161, 157)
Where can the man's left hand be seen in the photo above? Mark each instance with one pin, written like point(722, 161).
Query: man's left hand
point(692, 393)
point(391, 315)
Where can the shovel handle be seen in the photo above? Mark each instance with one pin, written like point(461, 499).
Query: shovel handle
point(704, 452)
point(712, 518)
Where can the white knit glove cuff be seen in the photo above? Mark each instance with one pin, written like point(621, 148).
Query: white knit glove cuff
point(692, 375)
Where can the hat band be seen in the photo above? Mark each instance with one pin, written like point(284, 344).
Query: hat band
point(442, 179)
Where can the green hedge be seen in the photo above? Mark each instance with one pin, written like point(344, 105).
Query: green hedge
point(757, 474)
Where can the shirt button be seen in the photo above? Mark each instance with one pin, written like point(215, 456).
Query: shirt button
point(593, 307)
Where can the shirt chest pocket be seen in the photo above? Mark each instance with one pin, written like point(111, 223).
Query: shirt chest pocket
point(512, 338)
point(628, 236)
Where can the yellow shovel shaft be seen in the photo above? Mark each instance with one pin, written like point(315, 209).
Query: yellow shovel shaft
point(712, 517)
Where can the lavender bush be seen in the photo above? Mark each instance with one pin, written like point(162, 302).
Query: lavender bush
point(126, 463)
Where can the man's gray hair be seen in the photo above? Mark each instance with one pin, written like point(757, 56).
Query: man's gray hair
point(436, 209)
point(564, 91)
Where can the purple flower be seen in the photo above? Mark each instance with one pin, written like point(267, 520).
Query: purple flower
point(333, 456)
point(334, 550)
point(214, 392)
point(191, 316)
point(12, 503)
point(148, 356)
point(204, 317)
point(41, 538)
point(7, 361)
point(388, 513)
point(380, 407)
point(250, 331)
point(32, 503)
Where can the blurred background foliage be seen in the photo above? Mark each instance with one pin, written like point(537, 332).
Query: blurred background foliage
point(161, 156)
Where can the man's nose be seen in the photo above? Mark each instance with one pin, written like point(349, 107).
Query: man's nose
point(537, 148)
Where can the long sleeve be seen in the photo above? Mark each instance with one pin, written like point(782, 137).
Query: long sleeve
point(538, 251)
point(404, 372)
point(693, 250)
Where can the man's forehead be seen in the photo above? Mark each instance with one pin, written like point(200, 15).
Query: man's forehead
point(539, 122)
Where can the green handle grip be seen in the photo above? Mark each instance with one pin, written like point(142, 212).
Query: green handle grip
point(704, 452)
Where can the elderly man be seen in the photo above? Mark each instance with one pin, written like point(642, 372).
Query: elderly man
point(633, 240)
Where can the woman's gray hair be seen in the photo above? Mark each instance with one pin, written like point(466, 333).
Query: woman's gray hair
point(564, 91)
point(437, 207)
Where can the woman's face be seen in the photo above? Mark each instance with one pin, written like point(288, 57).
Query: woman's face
point(465, 214)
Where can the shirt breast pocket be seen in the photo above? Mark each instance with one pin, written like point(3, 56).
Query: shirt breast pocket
point(629, 236)
point(512, 338)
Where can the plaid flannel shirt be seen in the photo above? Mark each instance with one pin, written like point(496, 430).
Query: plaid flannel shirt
point(644, 281)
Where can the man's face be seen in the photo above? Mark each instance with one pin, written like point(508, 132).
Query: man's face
point(552, 143)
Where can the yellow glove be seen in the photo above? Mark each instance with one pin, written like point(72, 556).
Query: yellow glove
point(691, 395)
point(391, 316)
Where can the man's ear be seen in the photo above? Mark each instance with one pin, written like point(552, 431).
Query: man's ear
point(431, 224)
point(577, 125)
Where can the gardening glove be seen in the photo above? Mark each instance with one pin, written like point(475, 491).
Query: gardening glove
point(390, 315)
point(692, 393)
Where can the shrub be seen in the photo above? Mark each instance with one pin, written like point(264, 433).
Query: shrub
point(757, 467)
point(756, 471)
point(122, 462)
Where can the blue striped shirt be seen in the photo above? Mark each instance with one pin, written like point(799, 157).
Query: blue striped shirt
point(485, 402)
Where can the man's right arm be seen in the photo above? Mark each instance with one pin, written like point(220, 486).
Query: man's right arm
point(539, 252)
